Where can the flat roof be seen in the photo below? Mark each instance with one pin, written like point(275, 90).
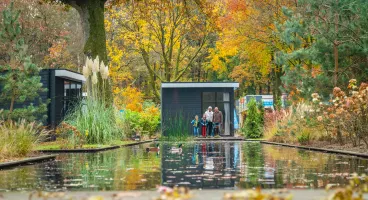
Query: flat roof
point(67, 74)
point(200, 85)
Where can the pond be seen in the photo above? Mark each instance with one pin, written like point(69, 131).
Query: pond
point(204, 165)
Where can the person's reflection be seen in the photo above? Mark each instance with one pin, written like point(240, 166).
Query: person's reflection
point(201, 155)
point(211, 149)
point(209, 164)
point(195, 154)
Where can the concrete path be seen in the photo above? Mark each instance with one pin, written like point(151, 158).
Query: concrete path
point(149, 195)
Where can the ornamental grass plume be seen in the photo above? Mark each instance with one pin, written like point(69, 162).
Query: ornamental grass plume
point(89, 64)
point(96, 65)
point(94, 78)
point(86, 71)
point(104, 70)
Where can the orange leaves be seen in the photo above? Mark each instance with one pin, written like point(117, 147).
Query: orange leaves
point(247, 32)
point(130, 98)
point(236, 5)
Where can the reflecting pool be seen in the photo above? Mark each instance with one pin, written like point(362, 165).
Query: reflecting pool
point(198, 165)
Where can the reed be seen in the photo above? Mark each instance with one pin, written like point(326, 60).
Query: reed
point(177, 128)
point(95, 121)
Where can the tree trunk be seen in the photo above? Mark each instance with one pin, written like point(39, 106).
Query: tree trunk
point(336, 58)
point(335, 47)
point(277, 85)
point(339, 135)
point(93, 23)
point(153, 85)
point(11, 105)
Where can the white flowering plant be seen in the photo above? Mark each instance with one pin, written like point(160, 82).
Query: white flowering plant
point(95, 72)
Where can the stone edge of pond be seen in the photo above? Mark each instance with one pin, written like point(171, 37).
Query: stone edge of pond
point(27, 161)
point(136, 143)
point(92, 150)
point(219, 139)
point(319, 149)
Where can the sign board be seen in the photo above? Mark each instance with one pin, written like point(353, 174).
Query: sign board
point(266, 100)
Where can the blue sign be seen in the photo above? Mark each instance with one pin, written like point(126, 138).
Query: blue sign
point(267, 103)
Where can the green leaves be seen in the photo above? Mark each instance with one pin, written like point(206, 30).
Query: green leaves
point(20, 78)
point(253, 126)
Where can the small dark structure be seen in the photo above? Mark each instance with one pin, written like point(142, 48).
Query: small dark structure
point(64, 88)
point(181, 101)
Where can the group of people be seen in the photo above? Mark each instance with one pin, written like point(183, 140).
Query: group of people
point(210, 123)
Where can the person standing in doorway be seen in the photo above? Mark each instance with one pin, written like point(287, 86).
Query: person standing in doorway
point(209, 118)
point(217, 121)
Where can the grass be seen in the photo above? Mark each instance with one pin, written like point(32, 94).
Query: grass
point(295, 126)
point(18, 139)
point(95, 121)
point(177, 128)
point(59, 145)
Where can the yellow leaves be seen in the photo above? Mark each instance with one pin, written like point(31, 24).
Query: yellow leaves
point(216, 64)
point(247, 29)
point(130, 98)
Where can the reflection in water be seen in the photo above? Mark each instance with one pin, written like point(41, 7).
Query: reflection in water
point(198, 165)
point(211, 165)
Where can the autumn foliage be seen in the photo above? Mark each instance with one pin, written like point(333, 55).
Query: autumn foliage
point(346, 117)
point(130, 98)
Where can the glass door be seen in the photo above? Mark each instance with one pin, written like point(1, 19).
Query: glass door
point(222, 101)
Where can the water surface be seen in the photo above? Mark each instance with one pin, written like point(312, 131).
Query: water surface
point(205, 165)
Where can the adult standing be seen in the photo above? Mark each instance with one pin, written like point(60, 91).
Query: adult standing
point(217, 120)
point(209, 118)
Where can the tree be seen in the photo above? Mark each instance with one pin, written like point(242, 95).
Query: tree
point(253, 123)
point(167, 35)
point(52, 33)
point(324, 46)
point(19, 78)
point(340, 33)
point(247, 33)
point(300, 71)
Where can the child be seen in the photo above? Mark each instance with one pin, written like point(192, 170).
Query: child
point(204, 125)
point(195, 123)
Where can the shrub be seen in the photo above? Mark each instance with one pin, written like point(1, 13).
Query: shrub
point(253, 123)
point(18, 138)
point(150, 120)
point(304, 137)
point(71, 136)
point(142, 123)
point(130, 123)
point(297, 124)
point(345, 118)
point(93, 121)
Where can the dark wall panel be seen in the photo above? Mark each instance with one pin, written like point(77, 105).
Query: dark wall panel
point(59, 103)
point(187, 102)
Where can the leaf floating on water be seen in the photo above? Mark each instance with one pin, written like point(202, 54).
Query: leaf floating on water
point(257, 195)
point(176, 193)
point(96, 198)
point(47, 195)
point(126, 194)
